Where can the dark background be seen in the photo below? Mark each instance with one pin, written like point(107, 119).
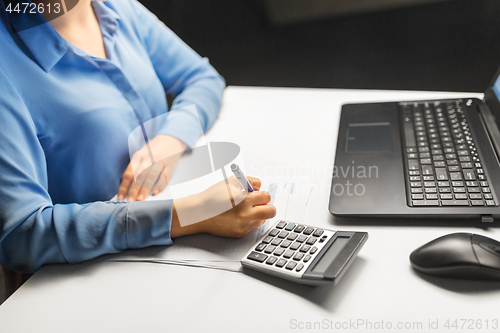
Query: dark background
point(451, 46)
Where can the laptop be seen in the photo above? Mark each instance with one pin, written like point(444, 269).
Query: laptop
point(420, 159)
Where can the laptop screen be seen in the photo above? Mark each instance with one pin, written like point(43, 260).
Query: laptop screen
point(496, 87)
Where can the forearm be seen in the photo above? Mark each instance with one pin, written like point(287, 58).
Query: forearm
point(74, 233)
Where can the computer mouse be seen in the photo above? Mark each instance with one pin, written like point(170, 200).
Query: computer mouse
point(459, 255)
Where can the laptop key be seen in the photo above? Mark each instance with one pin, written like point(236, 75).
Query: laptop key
point(466, 165)
point(441, 174)
point(425, 203)
point(427, 170)
point(455, 202)
point(477, 202)
point(413, 165)
point(469, 175)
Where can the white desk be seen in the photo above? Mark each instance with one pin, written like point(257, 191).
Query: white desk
point(279, 130)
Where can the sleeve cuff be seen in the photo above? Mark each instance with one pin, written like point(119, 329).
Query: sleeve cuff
point(148, 223)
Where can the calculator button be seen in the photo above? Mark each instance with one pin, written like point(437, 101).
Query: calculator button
point(281, 225)
point(311, 240)
point(276, 242)
point(288, 254)
point(322, 239)
point(279, 251)
point(305, 248)
point(286, 243)
point(313, 250)
point(295, 246)
point(257, 256)
point(267, 240)
point(290, 227)
point(281, 262)
point(299, 228)
point(270, 249)
point(283, 234)
point(271, 260)
point(260, 247)
point(308, 231)
point(298, 256)
point(307, 258)
point(274, 233)
point(301, 238)
point(299, 267)
point(292, 236)
point(291, 265)
point(318, 232)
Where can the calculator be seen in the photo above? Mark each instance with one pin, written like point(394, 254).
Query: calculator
point(305, 254)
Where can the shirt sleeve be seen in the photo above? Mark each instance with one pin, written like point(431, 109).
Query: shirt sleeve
point(34, 231)
point(184, 74)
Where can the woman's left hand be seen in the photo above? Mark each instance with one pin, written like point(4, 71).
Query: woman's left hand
point(143, 175)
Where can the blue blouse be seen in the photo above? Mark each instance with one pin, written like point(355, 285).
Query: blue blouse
point(65, 118)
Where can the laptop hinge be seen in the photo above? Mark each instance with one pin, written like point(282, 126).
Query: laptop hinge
point(491, 127)
point(487, 219)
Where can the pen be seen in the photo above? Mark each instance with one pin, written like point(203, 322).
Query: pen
point(241, 177)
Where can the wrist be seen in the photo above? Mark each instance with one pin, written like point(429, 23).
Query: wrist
point(177, 230)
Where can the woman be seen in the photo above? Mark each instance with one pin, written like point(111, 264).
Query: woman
point(71, 93)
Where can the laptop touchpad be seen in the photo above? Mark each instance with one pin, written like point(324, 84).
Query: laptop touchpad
point(369, 137)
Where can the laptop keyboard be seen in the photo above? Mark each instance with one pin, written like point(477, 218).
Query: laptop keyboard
point(442, 164)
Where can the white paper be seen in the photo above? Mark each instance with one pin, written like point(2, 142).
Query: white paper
point(290, 198)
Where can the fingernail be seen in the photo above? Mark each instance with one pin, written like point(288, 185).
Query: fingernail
point(139, 198)
point(120, 197)
point(130, 199)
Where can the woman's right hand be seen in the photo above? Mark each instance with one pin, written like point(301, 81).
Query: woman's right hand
point(249, 212)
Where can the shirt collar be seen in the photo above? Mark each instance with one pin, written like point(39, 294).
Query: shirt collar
point(107, 16)
point(48, 47)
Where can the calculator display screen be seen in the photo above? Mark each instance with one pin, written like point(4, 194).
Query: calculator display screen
point(330, 255)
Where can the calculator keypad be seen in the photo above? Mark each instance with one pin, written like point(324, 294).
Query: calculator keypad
point(289, 246)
